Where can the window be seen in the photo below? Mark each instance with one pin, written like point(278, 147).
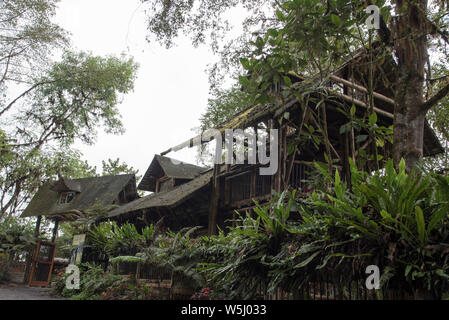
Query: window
point(66, 197)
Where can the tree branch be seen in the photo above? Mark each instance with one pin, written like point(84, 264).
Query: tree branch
point(23, 94)
point(435, 98)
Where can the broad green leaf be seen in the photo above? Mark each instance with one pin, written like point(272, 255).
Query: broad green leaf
point(372, 119)
point(420, 224)
point(287, 80)
point(336, 20)
point(353, 110)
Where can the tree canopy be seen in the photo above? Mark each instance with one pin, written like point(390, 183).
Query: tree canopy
point(47, 104)
point(313, 37)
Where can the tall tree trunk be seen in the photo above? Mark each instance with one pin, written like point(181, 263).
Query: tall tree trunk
point(411, 51)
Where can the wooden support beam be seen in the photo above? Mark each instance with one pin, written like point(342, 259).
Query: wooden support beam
point(362, 89)
point(326, 137)
point(253, 184)
point(214, 201)
point(285, 107)
point(290, 168)
point(362, 104)
point(276, 180)
point(278, 175)
point(38, 227)
point(55, 231)
point(346, 158)
point(284, 156)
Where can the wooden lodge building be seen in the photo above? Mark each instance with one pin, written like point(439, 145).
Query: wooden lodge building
point(181, 193)
point(68, 200)
point(186, 195)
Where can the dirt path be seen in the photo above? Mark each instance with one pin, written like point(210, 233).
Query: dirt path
point(22, 292)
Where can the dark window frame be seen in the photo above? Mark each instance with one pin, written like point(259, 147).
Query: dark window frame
point(65, 197)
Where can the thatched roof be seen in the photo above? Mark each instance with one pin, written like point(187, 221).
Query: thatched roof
point(164, 166)
point(93, 191)
point(169, 198)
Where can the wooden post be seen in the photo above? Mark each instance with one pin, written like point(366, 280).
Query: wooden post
point(326, 137)
point(38, 226)
point(290, 168)
point(213, 205)
point(138, 268)
point(253, 184)
point(256, 137)
point(283, 173)
point(275, 180)
point(277, 175)
point(346, 158)
point(55, 231)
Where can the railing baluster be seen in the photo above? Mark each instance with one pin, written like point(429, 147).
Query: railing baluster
point(321, 292)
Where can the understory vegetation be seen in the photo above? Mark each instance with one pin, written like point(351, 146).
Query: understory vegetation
point(16, 239)
point(393, 219)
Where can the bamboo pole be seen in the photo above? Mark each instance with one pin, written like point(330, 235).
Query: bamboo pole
point(362, 104)
point(214, 202)
point(363, 89)
point(326, 138)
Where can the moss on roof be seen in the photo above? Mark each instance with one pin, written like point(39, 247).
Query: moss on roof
point(94, 191)
point(171, 168)
point(165, 199)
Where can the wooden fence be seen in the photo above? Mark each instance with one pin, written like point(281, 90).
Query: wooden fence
point(174, 286)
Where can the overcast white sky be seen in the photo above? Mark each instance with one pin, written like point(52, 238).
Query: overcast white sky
point(170, 92)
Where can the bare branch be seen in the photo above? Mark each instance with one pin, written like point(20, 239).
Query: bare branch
point(23, 94)
point(435, 98)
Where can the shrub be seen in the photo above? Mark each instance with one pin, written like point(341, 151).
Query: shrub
point(5, 271)
point(93, 282)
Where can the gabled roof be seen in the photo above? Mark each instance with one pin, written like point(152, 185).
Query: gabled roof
point(96, 190)
point(169, 167)
point(169, 198)
point(66, 185)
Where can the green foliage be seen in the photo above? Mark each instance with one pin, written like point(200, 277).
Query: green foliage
point(392, 219)
point(27, 36)
point(5, 270)
point(114, 167)
point(59, 101)
point(94, 282)
point(70, 101)
point(78, 94)
point(23, 173)
point(399, 220)
point(16, 238)
point(114, 240)
point(177, 253)
point(223, 106)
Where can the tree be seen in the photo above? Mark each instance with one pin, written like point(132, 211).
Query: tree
point(46, 105)
point(114, 167)
point(73, 98)
point(21, 176)
point(27, 36)
point(205, 21)
point(224, 104)
point(314, 36)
